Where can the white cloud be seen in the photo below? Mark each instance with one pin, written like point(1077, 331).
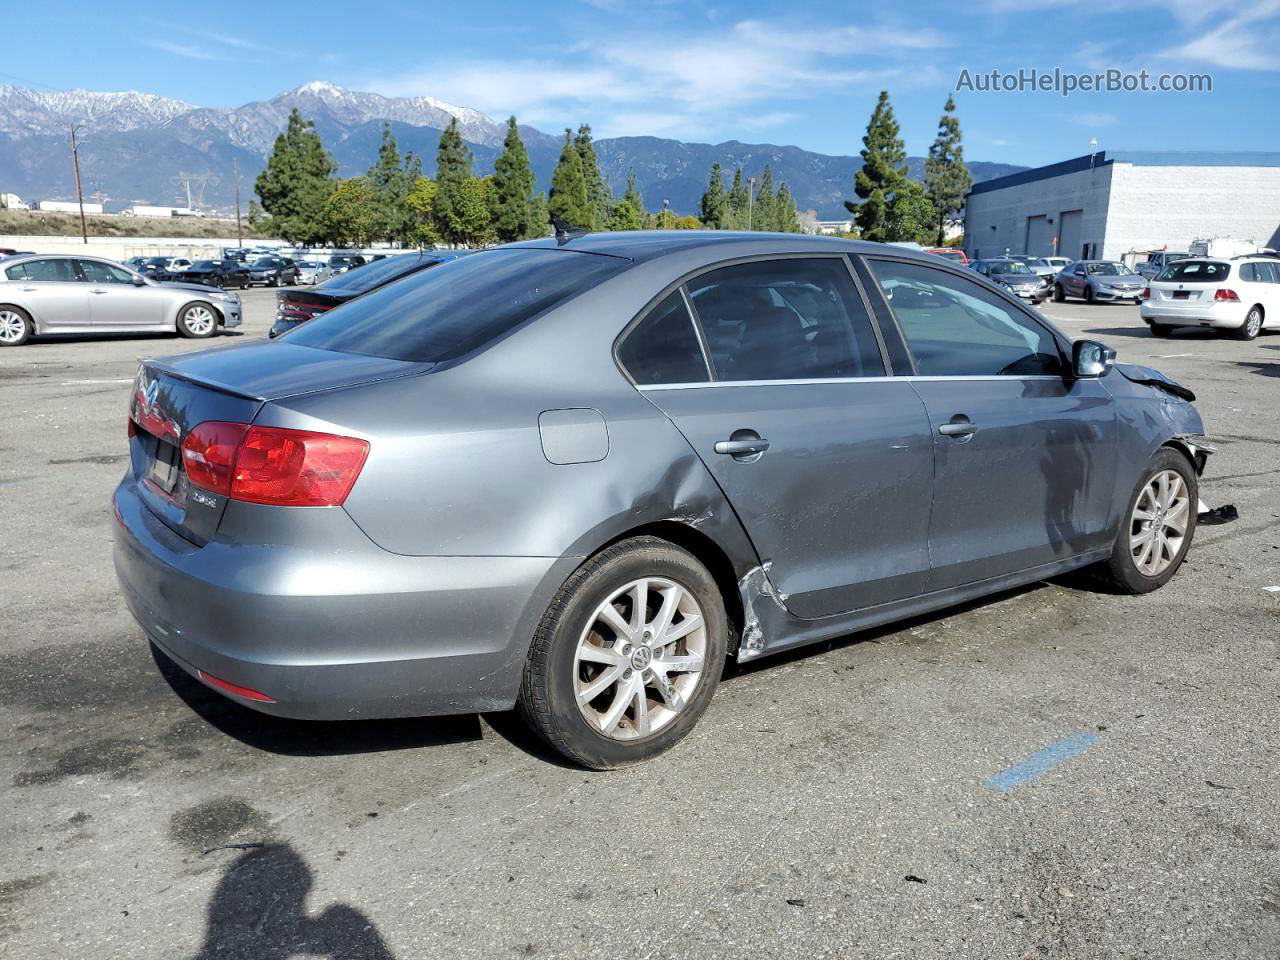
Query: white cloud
point(1246, 41)
point(190, 51)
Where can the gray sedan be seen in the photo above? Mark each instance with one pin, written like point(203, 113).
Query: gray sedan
point(1015, 276)
point(575, 475)
point(1098, 281)
point(58, 294)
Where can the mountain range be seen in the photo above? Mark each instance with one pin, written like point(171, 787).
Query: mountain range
point(139, 147)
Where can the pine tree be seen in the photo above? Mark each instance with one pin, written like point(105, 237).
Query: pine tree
point(786, 219)
point(884, 168)
point(421, 202)
point(715, 202)
point(633, 196)
point(453, 170)
point(910, 215)
point(763, 215)
point(598, 193)
point(539, 218)
point(739, 199)
point(946, 177)
point(568, 199)
point(296, 183)
point(513, 186)
point(392, 181)
point(352, 212)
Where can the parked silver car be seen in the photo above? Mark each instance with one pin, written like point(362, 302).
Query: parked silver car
point(576, 474)
point(313, 271)
point(62, 294)
point(1098, 281)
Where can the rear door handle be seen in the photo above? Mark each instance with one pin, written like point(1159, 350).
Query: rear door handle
point(960, 426)
point(742, 448)
point(98, 291)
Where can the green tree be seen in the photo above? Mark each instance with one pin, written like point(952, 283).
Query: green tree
point(884, 168)
point(352, 215)
point(296, 183)
point(763, 215)
point(739, 199)
point(422, 204)
point(539, 217)
point(392, 179)
point(599, 196)
point(475, 206)
point(624, 216)
point(715, 202)
point(946, 178)
point(513, 185)
point(909, 214)
point(633, 196)
point(453, 171)
point(786, 219)
point(569, 199)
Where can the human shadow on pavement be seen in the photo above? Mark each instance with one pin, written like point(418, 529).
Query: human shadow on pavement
point(258, 912)
point(312, 738)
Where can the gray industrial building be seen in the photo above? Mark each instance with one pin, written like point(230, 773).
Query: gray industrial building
point(1108, 206)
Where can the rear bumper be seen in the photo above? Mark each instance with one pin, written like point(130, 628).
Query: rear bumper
point(1225, 316)
point(332, 634)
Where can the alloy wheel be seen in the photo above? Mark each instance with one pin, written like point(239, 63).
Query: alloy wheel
point(640, 659)
point(199, 321)
point(1158, 526)
point(13, 326)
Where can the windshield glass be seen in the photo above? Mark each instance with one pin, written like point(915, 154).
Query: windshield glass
point(1196, 271)
point(457, 307)
point(1009, 266)
point(265, 262)
point(373, 275)
point(1108, 270)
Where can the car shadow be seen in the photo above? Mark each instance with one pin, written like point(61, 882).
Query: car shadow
point(313, 738)
point(1261, 369)
point(52, 339)
point(1142, 333)
point(258, 909)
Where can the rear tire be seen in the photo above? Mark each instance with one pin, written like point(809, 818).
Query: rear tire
point(1252, 325)
point(15, 326)
point(1140, 563)
point(1160, 329)
point(197, 321)
point(646, 691)
point(1059, 295)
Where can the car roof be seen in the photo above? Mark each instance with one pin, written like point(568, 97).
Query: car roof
point(642, 245)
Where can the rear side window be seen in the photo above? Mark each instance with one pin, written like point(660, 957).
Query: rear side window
point(459, 306)
point(52, 271)
point(1196, 271)
point(17, 272)
point(663, 347)
point(792, 319)
point(1267, 272)
point(958, 328)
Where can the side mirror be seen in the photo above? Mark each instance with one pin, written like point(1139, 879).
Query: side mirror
point(1090, 359)
point(139, 281)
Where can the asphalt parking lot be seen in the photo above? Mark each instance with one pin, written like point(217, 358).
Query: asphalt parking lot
point(835, 803)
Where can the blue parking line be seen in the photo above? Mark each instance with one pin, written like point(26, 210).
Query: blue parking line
point(1041, 762)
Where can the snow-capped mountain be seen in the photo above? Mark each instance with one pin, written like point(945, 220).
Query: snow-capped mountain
point(24, 112)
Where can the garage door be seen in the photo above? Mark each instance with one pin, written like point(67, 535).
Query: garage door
point(1069, 234)
point(1039, 236)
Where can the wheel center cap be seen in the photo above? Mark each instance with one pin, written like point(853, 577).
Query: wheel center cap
point(640, 658)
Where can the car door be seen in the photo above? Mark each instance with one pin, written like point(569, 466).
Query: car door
point(115, 303)
point(1024, 455)
point(51, 290)
point(826, 460)
point(1077, 279)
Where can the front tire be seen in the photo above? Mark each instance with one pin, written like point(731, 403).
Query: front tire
point(1160, 329)
point(1160, 522)
point(628, 655)
point(15, 326)
point(1088, 295)
point(1059, 295)
point(197, 321)
point(1252, 325)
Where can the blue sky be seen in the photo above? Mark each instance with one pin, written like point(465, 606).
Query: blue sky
point(796, 73)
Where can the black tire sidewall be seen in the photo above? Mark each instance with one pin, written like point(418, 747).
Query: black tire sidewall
point(1122, 564)
point(636, 559)
point(186, 331)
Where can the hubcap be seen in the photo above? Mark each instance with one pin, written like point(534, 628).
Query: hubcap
point(12, 326)
point(640, 659)
point(199, 320)
point(1255, 323)
point(1159, 523)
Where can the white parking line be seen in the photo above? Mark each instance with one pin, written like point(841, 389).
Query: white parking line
point(72, 383)
point(1170, 356)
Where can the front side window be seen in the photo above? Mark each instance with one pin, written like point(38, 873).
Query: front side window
point(663, 347)
point(792, 319)
point(96, 272)
point(51, 271)
point(957, 328)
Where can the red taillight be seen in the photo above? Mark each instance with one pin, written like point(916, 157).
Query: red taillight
point(273, 465)
point(1146, 293)
point(132, 427)
point(209, 454)
point(1225, 296)
point(247, 692)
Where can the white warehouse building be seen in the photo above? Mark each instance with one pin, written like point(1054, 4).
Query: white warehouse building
point(1100, 206)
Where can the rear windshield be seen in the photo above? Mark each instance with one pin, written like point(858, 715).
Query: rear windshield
point(375, 274)
point(1196, 271)
point(452, 309)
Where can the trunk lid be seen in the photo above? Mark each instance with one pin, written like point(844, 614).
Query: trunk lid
point(173, 395)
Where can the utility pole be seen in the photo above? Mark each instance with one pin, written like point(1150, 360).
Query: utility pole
point(75, 161)
point(235, 173)
point(751, 196)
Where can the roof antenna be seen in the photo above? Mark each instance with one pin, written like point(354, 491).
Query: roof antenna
point(564, 232)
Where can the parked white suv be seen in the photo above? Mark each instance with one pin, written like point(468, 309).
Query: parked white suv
point(1242, 295)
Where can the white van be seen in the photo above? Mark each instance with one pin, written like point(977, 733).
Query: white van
point(1225, 247)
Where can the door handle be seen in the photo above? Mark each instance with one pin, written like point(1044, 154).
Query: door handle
point(960, 426)
point(99, 292)
point(742, 448)
point(30, 289)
